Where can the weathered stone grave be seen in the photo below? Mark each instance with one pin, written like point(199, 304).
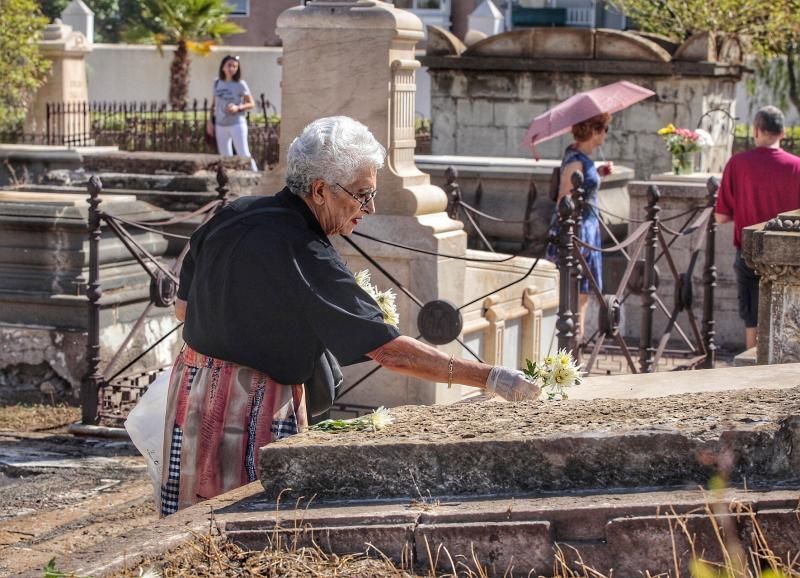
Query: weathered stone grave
point(43, 277)
point(773, 250)
point(505, 184)
point(44, 313)
point(608, 475)
point(483, 97)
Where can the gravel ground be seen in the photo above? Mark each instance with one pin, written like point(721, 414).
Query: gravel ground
point(60, 493)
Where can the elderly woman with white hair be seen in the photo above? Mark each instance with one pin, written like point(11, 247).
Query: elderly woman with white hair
point(264, 295)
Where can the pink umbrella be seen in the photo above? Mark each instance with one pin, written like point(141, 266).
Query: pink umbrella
point(583, 106)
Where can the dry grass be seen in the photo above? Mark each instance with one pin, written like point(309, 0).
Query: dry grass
point(37, 417)
point(211, 555)
point(206, 556)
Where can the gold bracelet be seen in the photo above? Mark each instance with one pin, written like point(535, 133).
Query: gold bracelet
point(450, 372)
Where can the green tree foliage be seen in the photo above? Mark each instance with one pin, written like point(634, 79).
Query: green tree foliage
point(770, 27)
point(22, 68)
point(192, 25)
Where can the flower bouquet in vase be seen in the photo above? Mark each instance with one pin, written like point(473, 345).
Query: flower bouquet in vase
point(683, 143)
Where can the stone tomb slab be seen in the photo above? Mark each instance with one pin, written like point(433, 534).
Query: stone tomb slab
point(603, 528)
point(493, 448)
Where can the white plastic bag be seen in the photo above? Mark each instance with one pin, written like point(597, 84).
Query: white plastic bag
point(145, 425)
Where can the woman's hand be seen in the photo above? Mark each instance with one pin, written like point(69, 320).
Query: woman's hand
point(605, 169)
point(180, 309)
point(232, 108)
point(511, 384)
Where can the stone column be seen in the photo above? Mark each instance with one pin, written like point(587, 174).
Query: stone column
point(357, 59)
point(772, 249)
point(67, 50)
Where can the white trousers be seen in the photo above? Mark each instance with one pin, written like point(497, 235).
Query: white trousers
point(234, 136)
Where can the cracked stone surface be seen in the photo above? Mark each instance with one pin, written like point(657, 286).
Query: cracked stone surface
point(490, 447)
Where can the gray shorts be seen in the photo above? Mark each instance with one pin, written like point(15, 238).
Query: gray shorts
point(747, 283)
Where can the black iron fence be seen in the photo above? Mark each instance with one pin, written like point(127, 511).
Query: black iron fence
point(650, 244)
point(790, 143)
point(649, 253)
point(153, 126)
point(108, 393)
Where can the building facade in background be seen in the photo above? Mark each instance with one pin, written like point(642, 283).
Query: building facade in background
point(258, 17)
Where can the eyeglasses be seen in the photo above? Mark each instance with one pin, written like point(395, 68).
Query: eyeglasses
point(363, 199)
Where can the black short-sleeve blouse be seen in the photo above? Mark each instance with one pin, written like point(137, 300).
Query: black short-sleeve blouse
point(269, 291)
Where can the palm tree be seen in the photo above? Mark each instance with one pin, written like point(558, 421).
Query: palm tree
point(192, 25)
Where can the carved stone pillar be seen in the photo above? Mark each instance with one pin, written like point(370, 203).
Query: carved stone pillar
point(66, 84)
point(356, 58)
point(772, 249)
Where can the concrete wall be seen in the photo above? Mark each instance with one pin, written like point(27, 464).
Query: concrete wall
point(748, 103)
point(132, 72)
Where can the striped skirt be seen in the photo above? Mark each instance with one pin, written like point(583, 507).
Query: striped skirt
point(218, 415)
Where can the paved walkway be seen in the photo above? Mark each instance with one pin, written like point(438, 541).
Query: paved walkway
point(662, 384)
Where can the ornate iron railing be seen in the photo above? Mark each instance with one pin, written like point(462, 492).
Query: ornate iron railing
point(654, 239)
point(108, 392)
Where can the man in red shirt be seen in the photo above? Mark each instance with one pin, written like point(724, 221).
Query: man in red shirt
point(756, 186)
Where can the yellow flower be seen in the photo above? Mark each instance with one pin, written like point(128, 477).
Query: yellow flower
point(549, 360)
point(669, 129)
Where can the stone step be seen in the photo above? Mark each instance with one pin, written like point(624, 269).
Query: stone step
point(239, 182)
point(746, 358)
point(629, 532)
point(159, 162)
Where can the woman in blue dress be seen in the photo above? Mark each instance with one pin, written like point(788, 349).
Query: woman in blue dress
point(589, 135)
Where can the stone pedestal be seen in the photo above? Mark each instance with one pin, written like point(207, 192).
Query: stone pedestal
point(43, 307)
point(772, 249)
point(678, 195)
point(67, 50)
point(357, 59)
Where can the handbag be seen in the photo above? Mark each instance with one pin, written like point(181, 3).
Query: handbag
point(555, 182)
point(211, 134)
point(146, 424)
point(322, 387)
